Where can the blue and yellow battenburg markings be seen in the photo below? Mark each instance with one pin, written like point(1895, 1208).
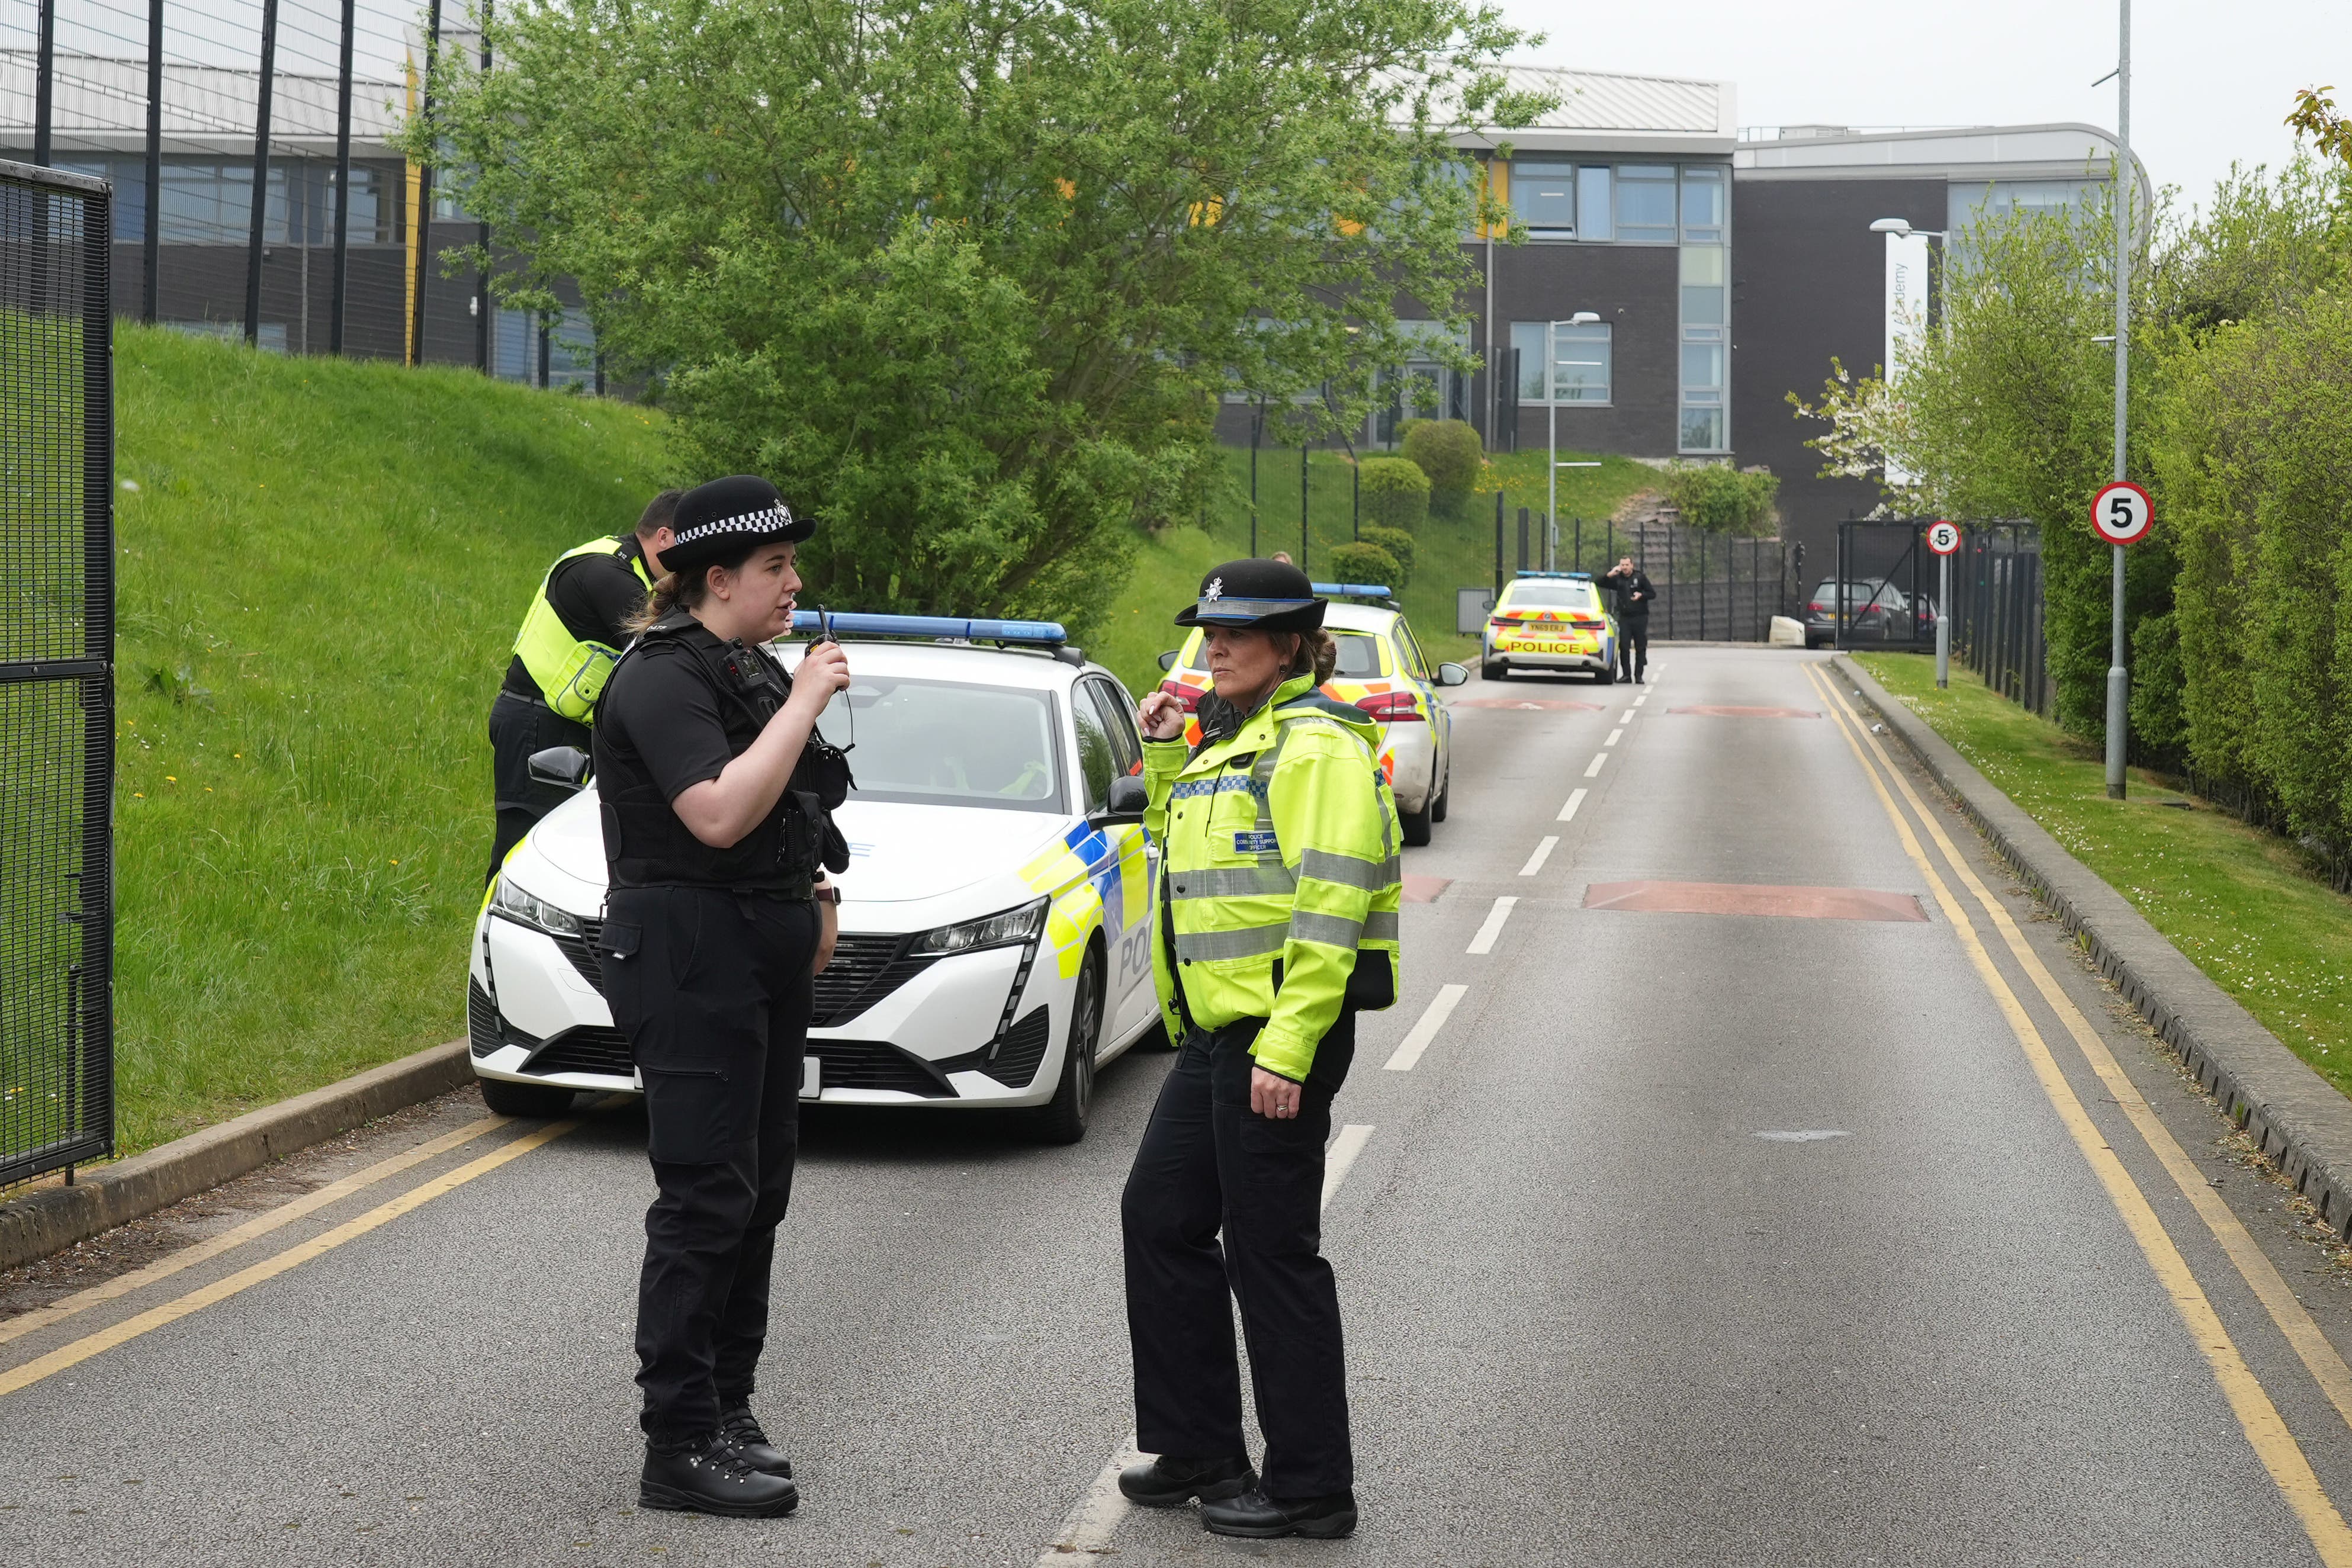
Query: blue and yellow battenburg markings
point(1096, 879)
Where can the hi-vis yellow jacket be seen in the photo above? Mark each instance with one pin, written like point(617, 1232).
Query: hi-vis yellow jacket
point(571, 672)
point(1279, 864)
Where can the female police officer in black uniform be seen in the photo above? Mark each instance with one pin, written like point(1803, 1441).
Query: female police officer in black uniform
point(715, 832)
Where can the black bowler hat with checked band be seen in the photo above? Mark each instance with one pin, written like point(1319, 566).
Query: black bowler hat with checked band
point(720, 523)
point(1272, 595)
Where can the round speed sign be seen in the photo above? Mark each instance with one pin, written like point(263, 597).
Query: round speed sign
point(2122, 513)
point(1943, 538)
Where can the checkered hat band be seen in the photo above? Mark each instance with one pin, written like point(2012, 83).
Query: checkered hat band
point(1247, 610)
point(766, 520)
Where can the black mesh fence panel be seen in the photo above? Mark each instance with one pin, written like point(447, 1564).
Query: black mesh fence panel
point(57, 637)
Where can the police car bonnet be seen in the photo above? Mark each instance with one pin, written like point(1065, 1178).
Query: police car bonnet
point(720, 522)
point(1272, 595)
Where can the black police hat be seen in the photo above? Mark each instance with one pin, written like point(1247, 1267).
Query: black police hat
point(1272, 595)
point(720, 523)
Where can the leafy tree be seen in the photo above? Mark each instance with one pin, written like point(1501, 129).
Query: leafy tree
point(969, 277)
point(1395, 492)
point(1449, 452)
point(1722, 498)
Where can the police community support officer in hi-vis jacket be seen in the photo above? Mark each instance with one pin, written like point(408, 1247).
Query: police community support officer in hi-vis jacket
point(717, 837)
point(570, 638)
point(1277, 921)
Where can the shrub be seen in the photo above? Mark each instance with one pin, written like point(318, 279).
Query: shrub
point(1722, 498)
point(1399, 544)
point(1448, 451)
point(1363, 563)
point(1395, 492)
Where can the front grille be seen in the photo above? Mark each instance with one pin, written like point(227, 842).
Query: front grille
point(865, 969)
point(481, 1019)
point(588, 1049)
point(582, 951)
point(870, 1064)
point(1021, 1051)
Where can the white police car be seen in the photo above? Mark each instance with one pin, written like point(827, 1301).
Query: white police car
point(994, 918)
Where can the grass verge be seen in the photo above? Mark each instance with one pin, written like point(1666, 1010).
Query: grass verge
point(2243, 905)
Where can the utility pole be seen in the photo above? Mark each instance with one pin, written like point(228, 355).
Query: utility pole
point(151, 253)
point(423, 216)
point(45, 80)
point(261, 189)
point(342, 186)
point(2118, 679)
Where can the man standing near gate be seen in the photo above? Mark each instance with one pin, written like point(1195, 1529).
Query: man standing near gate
point(1632, 586)
point(571, 637)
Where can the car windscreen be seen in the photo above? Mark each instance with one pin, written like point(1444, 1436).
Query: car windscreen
point(943, 743)
point(1360, 655)
point(1548, 596)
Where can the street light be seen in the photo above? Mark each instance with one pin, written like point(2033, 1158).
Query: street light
point(1551, 414)
point(1900, 228)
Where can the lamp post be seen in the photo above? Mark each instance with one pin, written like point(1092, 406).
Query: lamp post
point(1551, 412)
point(2118, 678)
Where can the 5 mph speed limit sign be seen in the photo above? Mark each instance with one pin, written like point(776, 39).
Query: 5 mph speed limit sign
point(2122, 513)
point(1943, 538)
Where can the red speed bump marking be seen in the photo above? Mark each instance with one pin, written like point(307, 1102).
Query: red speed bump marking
point(1425, 890)
point(1529, 703)
point(1746, 898)
point(1712, 711)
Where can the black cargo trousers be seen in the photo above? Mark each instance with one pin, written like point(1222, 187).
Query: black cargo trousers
point(713, 989)
point(519, 726)
point(1210, 1168)
point(1632, 645)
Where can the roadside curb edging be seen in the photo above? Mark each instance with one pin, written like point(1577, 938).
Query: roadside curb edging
point(54, 1219)
point(2299, 1119)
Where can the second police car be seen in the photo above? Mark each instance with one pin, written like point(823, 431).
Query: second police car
point(1551, 621)
point(1382, 671)
point(994, 918)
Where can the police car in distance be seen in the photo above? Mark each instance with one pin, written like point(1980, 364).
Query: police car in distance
point(1551, 620)
point(994, 918)
point(1382, 671)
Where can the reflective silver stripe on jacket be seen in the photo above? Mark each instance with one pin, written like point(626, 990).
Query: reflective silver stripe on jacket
point(1380, 925)
point(1332, 931)
point(1348, 871)
point(1234, 882)
point(1214, 945)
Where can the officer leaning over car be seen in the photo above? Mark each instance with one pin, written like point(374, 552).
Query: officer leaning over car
point(571, 637)
point(717, 793)
point(1275, 922)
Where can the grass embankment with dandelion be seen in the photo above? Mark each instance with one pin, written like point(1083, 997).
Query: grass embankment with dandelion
point(2245, 906)
point(321, 569)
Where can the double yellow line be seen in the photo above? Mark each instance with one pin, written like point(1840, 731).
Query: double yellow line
point(2272, 1443)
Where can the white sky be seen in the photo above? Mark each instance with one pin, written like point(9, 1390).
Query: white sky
point(2210, 82)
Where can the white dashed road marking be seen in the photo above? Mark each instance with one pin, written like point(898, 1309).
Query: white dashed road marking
point(1568, 812)
point(1612, 736)
point(1440, 1008)
point(1594, 771)
point(1341, 1155)
point(1485, 941)
point(1542, 854)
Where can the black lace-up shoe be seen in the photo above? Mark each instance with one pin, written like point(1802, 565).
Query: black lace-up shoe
point(739, 1430)
point(1167, 1482)
point(1253, 1513)
point(712, 1478)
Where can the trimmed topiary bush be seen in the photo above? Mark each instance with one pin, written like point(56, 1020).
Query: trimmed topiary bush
point(1447, 450)
point(1395, 492)
point(1399, 544)
point(1363, 563)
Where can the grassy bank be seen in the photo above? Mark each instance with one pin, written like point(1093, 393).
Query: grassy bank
point(2243, 905)
point(1449, 553)
point(322, 568)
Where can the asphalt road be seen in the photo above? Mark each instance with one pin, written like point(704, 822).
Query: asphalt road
point(1688, 1238)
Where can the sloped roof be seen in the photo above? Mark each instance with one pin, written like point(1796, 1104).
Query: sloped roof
point(1605, 110)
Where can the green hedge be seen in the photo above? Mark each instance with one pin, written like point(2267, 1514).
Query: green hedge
point(1398, 544)
point(1447, 450)
point(1395, 493)
point(1363, 562)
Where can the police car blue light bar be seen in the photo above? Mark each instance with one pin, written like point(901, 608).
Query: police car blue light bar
point(1352, 590)
point(1572, 576)
point(1039, 634)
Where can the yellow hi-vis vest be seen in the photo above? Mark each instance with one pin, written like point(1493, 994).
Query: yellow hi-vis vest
point(1281, 870)
point(570, 672)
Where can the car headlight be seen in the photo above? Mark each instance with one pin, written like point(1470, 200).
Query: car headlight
point(995, 931)
point(520, 907)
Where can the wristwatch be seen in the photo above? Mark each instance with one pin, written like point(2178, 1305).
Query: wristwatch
point(828, 894)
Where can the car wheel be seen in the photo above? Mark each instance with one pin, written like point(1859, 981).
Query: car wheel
point(1491, 671)
point(536, 1100)
point(1606, 675)
point(1416, 825)
point(1444, 798)
point(1063, 1118)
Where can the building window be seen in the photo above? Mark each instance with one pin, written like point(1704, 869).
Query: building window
point(1543, 198)
point(1645, 202)
point(1705, 349)
point(1702, 269)
point(1580, 374)
point(1703, 206)
point(1593, 203)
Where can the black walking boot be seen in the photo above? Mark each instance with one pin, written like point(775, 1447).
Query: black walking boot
point(712, 1478)
point(739, 1430)
point(1253, 1513)
point(1167, 1482)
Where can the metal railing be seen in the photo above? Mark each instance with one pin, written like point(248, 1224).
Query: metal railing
point(56, 688)
point(1997, 610)
point(1711, 587)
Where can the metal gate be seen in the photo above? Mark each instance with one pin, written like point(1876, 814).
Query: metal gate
point(1883, 594)
point(57, 655)
point(1996, 610)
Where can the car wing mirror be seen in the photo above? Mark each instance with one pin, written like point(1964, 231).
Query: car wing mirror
point(565, 767)
point(1168, 659)
point(1453, 675)
point(1128, 796)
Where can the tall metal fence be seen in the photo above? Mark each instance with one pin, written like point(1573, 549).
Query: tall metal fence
point(1996, 610)
point(56, 652)
point(1711, 587)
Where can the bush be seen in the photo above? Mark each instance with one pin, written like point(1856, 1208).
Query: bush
point(1363, 563)
point(1399, 545)
point(1395, 492)
point(1448, 451)
point(1721, 498)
